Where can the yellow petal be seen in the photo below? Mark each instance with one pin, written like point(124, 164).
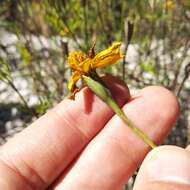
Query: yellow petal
point(75, 59)
point(86, 65)
point(108, 56)
point(81, 64)
point(72, 83)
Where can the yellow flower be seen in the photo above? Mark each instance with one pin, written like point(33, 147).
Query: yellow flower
point(170, 4)
point(82, 64)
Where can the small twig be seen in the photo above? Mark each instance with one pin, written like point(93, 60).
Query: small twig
point(22, 98)
point(187, 73)
point(85, 8)
point(128, 29)
point(179, 65)
point(102, 21)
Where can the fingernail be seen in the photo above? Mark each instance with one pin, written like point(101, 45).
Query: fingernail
point(165, 164)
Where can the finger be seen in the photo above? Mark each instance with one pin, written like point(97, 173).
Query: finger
point(188, 147)
point(114, 154)
point(166, 167)
point(42, 151)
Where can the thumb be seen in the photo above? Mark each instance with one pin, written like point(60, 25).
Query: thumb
point(165, 167)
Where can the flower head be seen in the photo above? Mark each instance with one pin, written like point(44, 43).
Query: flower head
point(82, 64)
point(170, 4)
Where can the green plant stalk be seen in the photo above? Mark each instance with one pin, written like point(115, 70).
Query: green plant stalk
point(104, 94)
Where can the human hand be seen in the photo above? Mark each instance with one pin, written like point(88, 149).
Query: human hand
point(81, 145)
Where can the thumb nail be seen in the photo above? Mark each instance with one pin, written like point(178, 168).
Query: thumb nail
point(165, 164)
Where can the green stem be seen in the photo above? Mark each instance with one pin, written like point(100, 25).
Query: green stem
point(103, 93)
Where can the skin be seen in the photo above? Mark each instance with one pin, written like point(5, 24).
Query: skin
point(82, 145)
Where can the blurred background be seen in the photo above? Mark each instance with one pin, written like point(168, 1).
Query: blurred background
point(36, 37)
